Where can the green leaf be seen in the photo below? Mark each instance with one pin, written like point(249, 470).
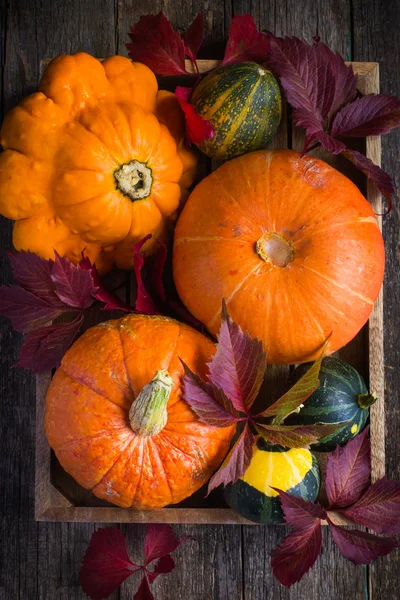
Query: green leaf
point(297, 395)
point(295, 436)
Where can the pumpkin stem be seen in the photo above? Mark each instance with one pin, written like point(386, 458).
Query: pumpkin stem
point(275, 249)
point(134, 179)
point(148, 413)
point(365, 400)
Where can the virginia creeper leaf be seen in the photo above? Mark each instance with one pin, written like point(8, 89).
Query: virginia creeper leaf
point(25, 310)
point(159, 541)
point(239, 364)
point(44, 348)
point(295, 436)
point(299, 512)
point(106, 563)
point(344, 77)
point(379, 178)
point(237, 461)
point(378, 508)
point(208, 402)
point(361, 547)
point(348, 471)
point(374, 114)
point(33, 273)
point(194, 37)
point(73, 285)
point(110, 300)
point(297, 553)
point(144, 592)
point(297, 394)
point(157, 45)
point(164, 565)
point(197, 128)
point(245, 42)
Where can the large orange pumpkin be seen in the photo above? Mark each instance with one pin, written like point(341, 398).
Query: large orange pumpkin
point(116, 419)
point(94, 161)
point(292, 246)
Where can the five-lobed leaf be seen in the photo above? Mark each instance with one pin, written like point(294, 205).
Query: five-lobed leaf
point(373, 114)
point(360, 547)
point(378, 508)
point(245, 42)
point(348, 471)
point(239, 364)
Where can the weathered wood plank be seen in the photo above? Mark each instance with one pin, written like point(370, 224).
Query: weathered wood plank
point(376, 39)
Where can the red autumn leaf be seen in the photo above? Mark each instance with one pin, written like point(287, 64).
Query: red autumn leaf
point(194, 37)
point(245, 42)
point(374, 114)
point(144, 591)
point(43, 348)
point(299, 512)
point(297, 395)
point(33, 273)
point(159, 541)
point(344, 77)
point(360, 547)
point(237, 461)
point(165, 565)
point(379, 178)
point(348, 471)
point(25, 310)
point(297, 553)
point(110, 300)
point(73, 285)
point(106, 563)
point(295, 436)
point(239, 364)
point(208, 402)
point(378, 508)
point(145, 303)
point(197, 128)
point(328, 143)
point(157, 45)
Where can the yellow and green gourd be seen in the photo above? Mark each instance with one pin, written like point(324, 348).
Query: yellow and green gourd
point(342, 397)
point(293, 470)
point(243, 103)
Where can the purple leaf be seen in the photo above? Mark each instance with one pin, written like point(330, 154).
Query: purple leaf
point(329, 143)
point(379, 178)
point(159, 541)
point(239, 364)
point(361, 547)
point(297, 553)
point(207, 401)
point(295, 436)
point(236, 463)
point(299, 512)
point(348, 471)
point(297, 395)
point(44, 348)
point(194, 37)
point(144, 591)
point(33, 273)
point(72, 284)
point(344, 77)
point(378, 508)
point(374, 114)
point(245, 42)
point(106, 563)
point(164, 565)
point(25, 310)
point(111, 301)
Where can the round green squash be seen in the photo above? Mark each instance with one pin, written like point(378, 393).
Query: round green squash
point(243, 103)
point(293, 470)
point(342, 397)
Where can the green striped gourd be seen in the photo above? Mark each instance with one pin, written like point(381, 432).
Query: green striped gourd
point(342, 397)
point(293, 470)
point(243, 103)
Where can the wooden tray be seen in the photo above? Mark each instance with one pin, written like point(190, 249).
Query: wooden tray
point(59, 498)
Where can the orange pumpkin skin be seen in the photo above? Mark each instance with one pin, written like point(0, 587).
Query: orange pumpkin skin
point(323, 253)
point(65, 146)
point(87, 408)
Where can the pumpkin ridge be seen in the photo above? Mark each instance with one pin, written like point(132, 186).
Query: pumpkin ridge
point(153, 445)
point(105, 433)
point(84, 384)
point(200, 435)
point(125, 365)
point(167, 439)
point(121, 447)
point(257, 266)
point(341, 287)
point(143, 447)
point(126, 450)
point(310, 313)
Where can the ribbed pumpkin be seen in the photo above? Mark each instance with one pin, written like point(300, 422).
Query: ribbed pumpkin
point(290, 244)
point(342, 397)
point(293, 470)
point(94, 161)
point(243, 103)
point(116, 419)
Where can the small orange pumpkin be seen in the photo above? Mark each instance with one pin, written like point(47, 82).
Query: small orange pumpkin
point(116, 419)
point(292, 246)
point(94, 161)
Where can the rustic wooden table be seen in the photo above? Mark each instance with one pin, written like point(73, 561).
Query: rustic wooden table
point(41, 560)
